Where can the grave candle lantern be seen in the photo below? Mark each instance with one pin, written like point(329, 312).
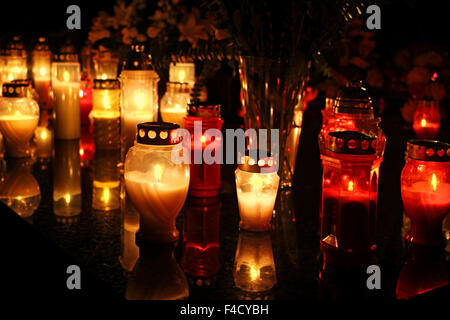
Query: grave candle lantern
point(175, 102)
point(19, 117)
point(205, 178)
point(85, 100)
point(256, 185)
point(106, 64)
point(182, 72)
point(139, 94)
point(66, 87)
point(349, 197)
point(106, 114)
point(425, 185)
point(42, 72)
point(15, 67)
point(426, 121)
point(155, 184)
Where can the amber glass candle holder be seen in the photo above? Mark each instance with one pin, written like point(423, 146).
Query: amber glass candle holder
point(349, 198)
point(106, 114)
point(175, 102)
point(42, 59)
point(156, 185)
point(427, 120)
point(425, 185)
point(205, 178)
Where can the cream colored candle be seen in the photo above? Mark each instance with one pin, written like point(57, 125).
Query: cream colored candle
point(66, 105)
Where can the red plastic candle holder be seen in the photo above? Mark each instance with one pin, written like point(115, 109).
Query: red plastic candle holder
point(349, 197)
point(85, 100)
point(201, 261)
point(205, 178)
point(427, 119)
point(425, 185)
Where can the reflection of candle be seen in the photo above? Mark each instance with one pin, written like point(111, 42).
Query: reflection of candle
point(67, 178)
point(43, 137)
point(19, 189)
point(130, 251)
point(254, 266)
point(106, 181)
point(66, 87)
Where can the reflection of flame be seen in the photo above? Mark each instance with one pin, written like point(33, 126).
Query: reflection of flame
point(434, 182)
point(350, 186)
point(67, 198)
point(158, 172)
point(423, 123)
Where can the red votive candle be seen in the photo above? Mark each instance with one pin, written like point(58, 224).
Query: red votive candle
point(425, 185)
point(201, 261)
point(427, 119)
point(205, 178)
point(349, 197)
point(85, 100)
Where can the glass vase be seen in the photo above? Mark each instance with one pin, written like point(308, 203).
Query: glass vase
point(270, 91)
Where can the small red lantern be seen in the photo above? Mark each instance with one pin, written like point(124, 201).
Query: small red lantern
point(349, 197)
point(425, 185)
point(205, 178)
point(85, 100)
point(427, 119)
point(201, 261)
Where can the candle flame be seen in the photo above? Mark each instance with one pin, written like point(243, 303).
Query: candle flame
point(106, 103)
point(350, 186)
point(67, 198)
point(66, 76)
point(181, 76)
point(44, 134)
point(42, 71)
point(423, 123)
point(254, 273)
point(106, 195)
point(139, 100)
point(257, 182)
point(434, 182)
point(81, 93)
point(203, 139)
point(158, 172)
point(103, 76)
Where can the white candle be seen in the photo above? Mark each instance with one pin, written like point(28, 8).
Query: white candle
point(159, 197)
point(66, 105)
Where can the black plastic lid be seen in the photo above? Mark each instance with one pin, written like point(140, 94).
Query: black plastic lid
point(15, 90)
point(353, 98)
point(107, 84)
point(257, 164)
point(203, 110)
point(158, 133)
point(428, 150)
point(351, 142)
point(138, 58)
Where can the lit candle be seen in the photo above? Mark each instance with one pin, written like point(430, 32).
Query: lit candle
point(42, 72)
point(182, 72)
point(106, 114)
point(66, 87)
point(156, 186)
point(44, 139)
point(106, 182)
point(19, 116)
point(19, 190)
point(426, 122)
point(85, 100)
point(174, 103)
point(105, 64)
point(425, 185)
point(256, 185)
point(67, 178)
point(254, 266)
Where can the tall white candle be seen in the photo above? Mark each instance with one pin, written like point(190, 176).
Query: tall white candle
point(66, 105)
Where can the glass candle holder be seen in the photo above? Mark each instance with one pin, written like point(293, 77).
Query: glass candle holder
point(66, 87)
point(106, 114)
point(44, 141)
point(19, 190)
point(19, 117)
point(155, 184)
point(254, 266)
point(353, 111)
point(139, 94)
point(205, 178)
point(425, 185)
point(256, 185)
point(106, 64)
point(15, 67)
point(427, 120)
point(182, 72)
point(106, 181)
point(201, 251)
point(41, 57)
point(349, 198)
point(67, 198)
point(130, 251)
point(85, 100)
point(175, 102)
